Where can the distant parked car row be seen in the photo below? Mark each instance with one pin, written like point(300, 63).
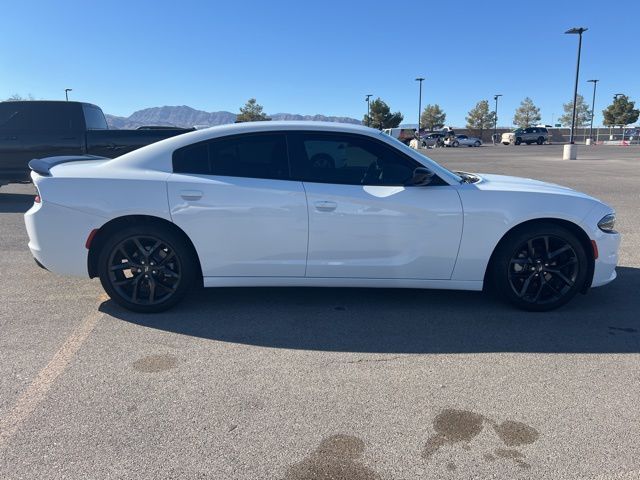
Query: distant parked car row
point(439, 139)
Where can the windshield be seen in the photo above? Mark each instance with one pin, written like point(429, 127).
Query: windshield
point(408, 150)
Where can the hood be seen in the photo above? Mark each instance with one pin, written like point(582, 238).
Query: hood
point(527, 185)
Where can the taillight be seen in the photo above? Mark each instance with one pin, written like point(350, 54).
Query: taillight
point(37, 199)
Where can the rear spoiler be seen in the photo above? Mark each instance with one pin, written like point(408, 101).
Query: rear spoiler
point(43, 166)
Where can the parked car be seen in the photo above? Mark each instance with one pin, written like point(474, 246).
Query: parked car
point(35, 129)
point(405, 135)
point(266, 204)
point(527, 135)
point(464, 140)
point(435, 139)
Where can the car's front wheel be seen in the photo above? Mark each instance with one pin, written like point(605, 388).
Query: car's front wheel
point(146, 268)
point(518, 141)
point(540, 140)
point(540, 267)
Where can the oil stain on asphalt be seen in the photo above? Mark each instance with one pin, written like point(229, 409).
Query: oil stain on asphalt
point(461, 427)
point(155, 363)
point(338, 457)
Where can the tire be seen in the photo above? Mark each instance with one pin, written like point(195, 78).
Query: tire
point(505, 143)
point(164, 268)
point(539, 267)
point(456, 144)
point(477, 144)
point(518, 141)
point(540, 140)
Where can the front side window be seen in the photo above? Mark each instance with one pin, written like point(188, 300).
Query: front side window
point(252, 156)
point(12, 116)
point(48, 117)
point(347, 159)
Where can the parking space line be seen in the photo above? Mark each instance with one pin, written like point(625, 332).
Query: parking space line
point(37, 391)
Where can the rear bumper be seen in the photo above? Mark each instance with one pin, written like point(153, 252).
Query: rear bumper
point(57, 237)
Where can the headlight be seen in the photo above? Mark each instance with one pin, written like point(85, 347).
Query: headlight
point(607, 223)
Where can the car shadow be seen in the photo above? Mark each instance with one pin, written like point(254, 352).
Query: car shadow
point(15, 202)
point(403, 321)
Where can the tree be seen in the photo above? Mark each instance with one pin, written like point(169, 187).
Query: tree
point(527, 114)
point(381, 117)
point(480, 117)
point(583, 113)
point(251, 112)
point(433, 117)
point(621, 112)
point(18, 97)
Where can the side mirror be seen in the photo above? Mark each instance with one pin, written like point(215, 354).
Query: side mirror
point(421, 176)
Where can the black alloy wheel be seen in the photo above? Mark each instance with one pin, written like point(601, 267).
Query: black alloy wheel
point(543, 269)
point(146, 270)
point(540, 268)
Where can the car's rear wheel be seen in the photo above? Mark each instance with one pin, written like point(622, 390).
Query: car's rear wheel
point(540, 267)
point(477, 144)
point(540, 140)
point(518, 141)
point(146, 269)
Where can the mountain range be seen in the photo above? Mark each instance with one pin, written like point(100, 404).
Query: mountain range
point(184, 116)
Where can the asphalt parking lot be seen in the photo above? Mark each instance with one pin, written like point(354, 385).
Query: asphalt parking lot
point(327, 383)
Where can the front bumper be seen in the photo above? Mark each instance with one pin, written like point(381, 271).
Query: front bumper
point(605, 265)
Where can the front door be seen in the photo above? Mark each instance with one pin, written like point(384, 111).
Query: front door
point(363, 221)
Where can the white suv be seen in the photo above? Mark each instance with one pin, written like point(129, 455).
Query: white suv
point(527, 135)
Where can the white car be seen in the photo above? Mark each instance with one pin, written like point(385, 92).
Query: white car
point(466, 141)
point(310, 204)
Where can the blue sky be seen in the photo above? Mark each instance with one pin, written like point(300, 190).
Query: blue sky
point(318, 57)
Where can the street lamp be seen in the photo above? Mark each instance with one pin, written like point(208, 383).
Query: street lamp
point(593, 107)
point(368, 114)
point(495, 117)
point(576, 31)
point(66, 93)
point(615, 97)
point(420, 80)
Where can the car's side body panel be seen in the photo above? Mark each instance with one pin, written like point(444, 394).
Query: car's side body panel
point(242, 226)
point(383, 231)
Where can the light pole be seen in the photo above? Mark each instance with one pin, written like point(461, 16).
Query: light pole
point(579, 31)
point(66, 93)
point(419, 80)
point(593, 107)
point(495, 117)
point(368, 109)
point(615, 97)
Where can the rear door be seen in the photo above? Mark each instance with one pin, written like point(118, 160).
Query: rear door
point(234, 198)
point(363, 221)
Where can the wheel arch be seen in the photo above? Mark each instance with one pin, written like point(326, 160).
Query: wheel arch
point(574, 228)
point(102, 234)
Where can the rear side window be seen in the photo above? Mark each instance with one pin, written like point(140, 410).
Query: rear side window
point(249, 156)
point(54, 117)
point(94, 118)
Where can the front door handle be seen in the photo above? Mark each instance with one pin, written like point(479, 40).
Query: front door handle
point(326, 206)
point(191, 194)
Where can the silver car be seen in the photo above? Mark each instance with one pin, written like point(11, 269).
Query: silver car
point(464, 140)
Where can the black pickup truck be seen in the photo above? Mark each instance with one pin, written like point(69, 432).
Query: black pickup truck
point(36, 129)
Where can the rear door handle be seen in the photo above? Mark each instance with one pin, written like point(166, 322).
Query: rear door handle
point(191, 194)
point(326, 206)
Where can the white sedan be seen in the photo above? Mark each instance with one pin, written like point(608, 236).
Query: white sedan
point(310, 204)
point(466, 141)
